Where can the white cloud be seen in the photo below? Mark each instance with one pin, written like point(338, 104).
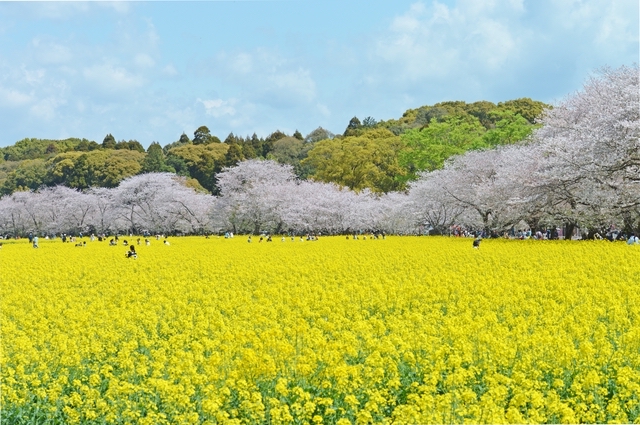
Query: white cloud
point(112, 78)
point(266, 77)
point(45, 109)
point(58, 10)
point(295, 83)
point(170, 70)
point(49, 52)
point(33, 77)
point(152, 35)
point(186, 118)
point(144, 61)
point(119, 6)
point(14, 98)
point(324, 110)
point(242, 63)
point(617, 27)
point(439, 40)
point(218, 107)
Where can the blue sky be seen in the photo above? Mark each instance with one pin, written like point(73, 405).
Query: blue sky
point(150, 71)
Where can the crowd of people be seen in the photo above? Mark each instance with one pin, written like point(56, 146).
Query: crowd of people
point(455, 231)
point(114, 241)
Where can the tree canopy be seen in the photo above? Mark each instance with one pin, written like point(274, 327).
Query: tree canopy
point(372, 154)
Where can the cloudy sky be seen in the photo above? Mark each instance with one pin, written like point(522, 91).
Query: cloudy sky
point(152, 70)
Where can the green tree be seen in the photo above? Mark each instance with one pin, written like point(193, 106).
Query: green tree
point(318, 134)
point(357, 162)
point(429, 147)
point(483, 112)
point(29, 175)
point(529, 109)
point(234, 155)
point(132, 145)
point(40, 148)
point(291, 150)
point(232, 138)
point(509, 128)
point(260, 145)
point(67, 169)
point(106, 168)
point(117, 166)
point(203, 162)
point(369, 122)
point(286, 150)
point(154, 162)
point(202, 136)
point(178, 164)
point(109, 142)
point(353, 127)
point(184, 140)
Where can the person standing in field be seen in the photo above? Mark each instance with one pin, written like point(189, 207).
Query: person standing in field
point(476, 242)
point(35, 242)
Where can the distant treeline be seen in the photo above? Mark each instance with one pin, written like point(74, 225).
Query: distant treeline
point(382, 156)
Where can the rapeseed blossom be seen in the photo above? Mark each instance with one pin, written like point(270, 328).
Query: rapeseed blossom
point(401, 330)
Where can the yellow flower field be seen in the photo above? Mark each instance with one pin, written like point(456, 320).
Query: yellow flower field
point(401, 330)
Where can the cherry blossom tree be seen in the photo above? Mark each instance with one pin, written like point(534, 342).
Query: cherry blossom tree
point(13, 218)
point(254, 195)
point(66, 210)
point(104, 214)
point(159, 202)
point(431, 206)
point(591, 150)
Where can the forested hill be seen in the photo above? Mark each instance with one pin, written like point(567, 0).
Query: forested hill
point(382, 156)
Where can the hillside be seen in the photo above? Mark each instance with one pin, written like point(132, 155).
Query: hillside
point(380, 155)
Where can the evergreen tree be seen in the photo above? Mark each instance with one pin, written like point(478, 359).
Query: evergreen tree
point(109, 142)
point(154, 162)
point(352, 127)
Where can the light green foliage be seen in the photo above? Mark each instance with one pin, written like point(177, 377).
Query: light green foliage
point(509, 128)
point(527, 108)
point(431, 146)
point(109, 171)
point(358, 162)
point(380, 155)
point(40, 148)
point(487, 113)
